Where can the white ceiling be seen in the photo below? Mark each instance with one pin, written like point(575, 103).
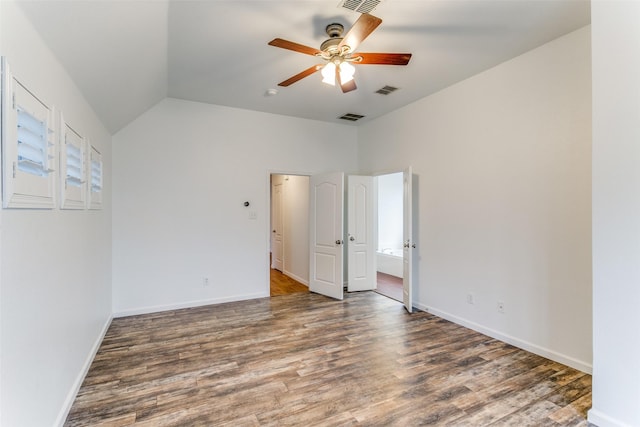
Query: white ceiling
point(127, 55)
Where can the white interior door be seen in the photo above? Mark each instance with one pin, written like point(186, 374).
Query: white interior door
point(326, 203)
point(361, 266)
point(277, 223)
point(408, 243)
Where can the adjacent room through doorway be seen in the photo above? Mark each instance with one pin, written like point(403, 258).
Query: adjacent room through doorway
point(389, 250)
point(289, 243)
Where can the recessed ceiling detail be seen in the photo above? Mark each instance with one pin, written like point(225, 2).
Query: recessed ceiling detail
point(360, 6)
point(351, 117)
point(386, 90)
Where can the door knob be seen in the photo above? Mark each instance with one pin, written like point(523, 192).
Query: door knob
point(352, 238)
point(274, 231)
point(338, 242)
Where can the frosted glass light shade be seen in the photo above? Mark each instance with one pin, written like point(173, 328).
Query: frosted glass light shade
point(329, 74)
point(346, 72)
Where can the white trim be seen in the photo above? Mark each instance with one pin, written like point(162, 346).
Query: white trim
point(296, 277)
point(267, 213)
point(188, 304)
point(94, 198)
point(602, 420)
point(70, 197)
point(525, 345)
point(22, 188)
point(71, 396)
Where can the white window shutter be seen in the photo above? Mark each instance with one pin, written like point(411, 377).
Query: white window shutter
point(28, 146)
point(72, 168)
point(95, 178)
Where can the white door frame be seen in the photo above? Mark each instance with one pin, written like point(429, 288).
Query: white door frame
point(267, 213)
point(408, 236)
point(414, 226)
point(277, 240)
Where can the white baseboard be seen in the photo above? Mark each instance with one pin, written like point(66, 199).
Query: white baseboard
point(602, 420)
point(71, 396)
point(533, 348)
point(296, 278)
point(188, 304)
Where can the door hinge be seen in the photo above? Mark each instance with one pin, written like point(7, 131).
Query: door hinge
point(13, 98)
point(14, 169)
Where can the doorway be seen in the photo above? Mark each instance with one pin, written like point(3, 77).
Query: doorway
point(289, 240)
point(389, 242)
point(281, 284)
point(282, 218)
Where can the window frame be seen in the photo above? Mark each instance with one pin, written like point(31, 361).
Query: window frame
point(72, 195)
point(26, 183)
point(95, 184)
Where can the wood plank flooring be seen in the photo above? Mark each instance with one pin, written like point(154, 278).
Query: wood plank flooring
point(389, 286)
point(303, 359)
point(281, 284)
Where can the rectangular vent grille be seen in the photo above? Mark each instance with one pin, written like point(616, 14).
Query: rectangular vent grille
point(351, 117)
point(386, 90)
point(360, 6)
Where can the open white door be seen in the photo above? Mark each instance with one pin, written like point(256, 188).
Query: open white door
point(277, 225)
point(360, 231)
point(326, 203)
point(408, 243)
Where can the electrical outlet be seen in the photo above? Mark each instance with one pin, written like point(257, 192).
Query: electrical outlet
point(471, 299)
point(205, 281)
point(500, 307)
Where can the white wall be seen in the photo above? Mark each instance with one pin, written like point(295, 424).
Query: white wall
point(504, 165)
point(181, 174)
point(616, 213)
point(390, 206)
point(53, 313)
point(296, 227)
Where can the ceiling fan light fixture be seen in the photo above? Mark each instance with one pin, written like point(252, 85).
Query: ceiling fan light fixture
point(329, 74)
point(339, 52)
point(346, 72)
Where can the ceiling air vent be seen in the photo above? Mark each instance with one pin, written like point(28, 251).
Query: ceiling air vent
point(386, 90)
point(360, 6)
point(351, 117)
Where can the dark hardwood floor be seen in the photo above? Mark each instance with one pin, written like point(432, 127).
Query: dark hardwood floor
point(389, 286)
point(304, 359)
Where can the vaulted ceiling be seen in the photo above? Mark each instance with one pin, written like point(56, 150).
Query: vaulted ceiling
point(126, 56)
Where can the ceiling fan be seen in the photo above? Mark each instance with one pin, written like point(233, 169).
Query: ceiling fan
point(339, 52)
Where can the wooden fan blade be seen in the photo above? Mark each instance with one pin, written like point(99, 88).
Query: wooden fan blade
point(384, 58)
point(360, 31)
point(301, 75)
point(348, 86)
point(296, 47)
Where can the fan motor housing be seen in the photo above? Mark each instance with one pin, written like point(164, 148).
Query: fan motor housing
point(330, 45)
point(334, 31)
